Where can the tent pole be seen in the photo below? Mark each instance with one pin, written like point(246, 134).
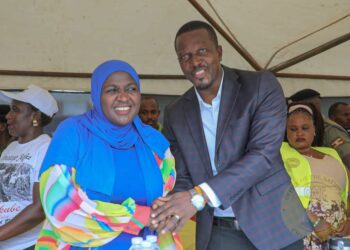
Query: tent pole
point(157, 76)
point(311, 53)
point(81, 75)
point(312, 76)
point(240, 49)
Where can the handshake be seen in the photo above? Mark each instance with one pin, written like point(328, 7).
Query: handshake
point(170, 213)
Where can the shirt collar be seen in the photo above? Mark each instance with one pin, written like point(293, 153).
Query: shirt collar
point(218, 95)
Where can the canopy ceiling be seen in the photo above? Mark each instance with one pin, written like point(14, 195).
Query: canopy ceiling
point(56, 44)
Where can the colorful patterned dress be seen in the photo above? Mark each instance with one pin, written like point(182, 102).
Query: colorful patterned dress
point(76, 220)
point(327, 182)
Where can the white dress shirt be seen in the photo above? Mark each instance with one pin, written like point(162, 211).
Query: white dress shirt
point(209, 116)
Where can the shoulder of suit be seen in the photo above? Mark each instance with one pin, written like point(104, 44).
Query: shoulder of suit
point(180, 100)
point(329, 124)
point(238, 72)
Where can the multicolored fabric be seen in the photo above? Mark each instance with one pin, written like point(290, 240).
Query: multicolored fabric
point(75, 220)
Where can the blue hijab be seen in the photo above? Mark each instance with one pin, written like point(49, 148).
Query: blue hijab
point(96, 171)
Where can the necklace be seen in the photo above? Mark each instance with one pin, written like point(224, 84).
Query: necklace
point(308, 153)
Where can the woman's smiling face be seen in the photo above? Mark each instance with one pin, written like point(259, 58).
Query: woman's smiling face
point(120, 98)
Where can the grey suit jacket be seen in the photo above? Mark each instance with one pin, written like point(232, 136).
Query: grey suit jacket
point(251, 177)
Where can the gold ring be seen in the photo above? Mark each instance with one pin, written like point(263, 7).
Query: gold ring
point(177, 217)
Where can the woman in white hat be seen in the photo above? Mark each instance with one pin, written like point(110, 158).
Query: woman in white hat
point(20, 208)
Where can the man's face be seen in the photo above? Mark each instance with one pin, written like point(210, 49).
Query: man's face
point(199, 58)
point(342, 116)
point(149, 112)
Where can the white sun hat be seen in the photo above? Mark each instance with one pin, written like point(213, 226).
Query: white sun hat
point(36, 96)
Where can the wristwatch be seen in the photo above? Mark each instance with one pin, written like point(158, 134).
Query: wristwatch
point(197, 200)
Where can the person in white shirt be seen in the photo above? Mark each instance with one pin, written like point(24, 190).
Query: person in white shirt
point(21, 213)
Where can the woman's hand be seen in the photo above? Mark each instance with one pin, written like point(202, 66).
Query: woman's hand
point(173, 214)
point(344, 230)
point(324, 230)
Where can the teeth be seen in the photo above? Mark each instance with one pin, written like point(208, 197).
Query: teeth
point(199, 72)
point(122, 108)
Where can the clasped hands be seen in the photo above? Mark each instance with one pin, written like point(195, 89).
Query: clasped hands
point(170, 213)
point(325, 230)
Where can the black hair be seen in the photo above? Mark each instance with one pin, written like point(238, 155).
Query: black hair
point(333, 108)
point(316, 118)
point(196, 25)
point(147, 97)
point(303, 95)
point(4, 109)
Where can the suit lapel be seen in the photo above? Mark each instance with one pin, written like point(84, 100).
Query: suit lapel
point(230, 90)
point(194, 122)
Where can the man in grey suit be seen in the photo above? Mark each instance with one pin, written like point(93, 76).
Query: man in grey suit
point(225, 133)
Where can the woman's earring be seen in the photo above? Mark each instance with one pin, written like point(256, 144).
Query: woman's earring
point(35, 123)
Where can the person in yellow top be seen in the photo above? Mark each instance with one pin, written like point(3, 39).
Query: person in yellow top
point(335, 136)
point(318, 175)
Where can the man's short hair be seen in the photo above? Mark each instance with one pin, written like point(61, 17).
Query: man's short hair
point(146, 97)
point(4, 109)
point(333, 108)
point(196, 25)
point(303, 94)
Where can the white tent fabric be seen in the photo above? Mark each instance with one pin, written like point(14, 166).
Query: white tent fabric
point(75, 36)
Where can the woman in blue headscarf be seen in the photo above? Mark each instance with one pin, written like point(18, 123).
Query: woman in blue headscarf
point(104, 169)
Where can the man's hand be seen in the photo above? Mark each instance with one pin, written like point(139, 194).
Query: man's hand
point(171, 213)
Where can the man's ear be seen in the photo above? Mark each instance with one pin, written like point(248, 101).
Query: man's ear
point(219, 49)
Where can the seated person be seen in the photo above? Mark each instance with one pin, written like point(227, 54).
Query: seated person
point(339, 112)
point(21, 211)
point(335, 136)
point(318, 174)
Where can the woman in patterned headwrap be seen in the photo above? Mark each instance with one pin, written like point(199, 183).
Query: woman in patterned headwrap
point(104, 169)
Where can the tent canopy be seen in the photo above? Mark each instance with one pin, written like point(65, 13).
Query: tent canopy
point(57, 44)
